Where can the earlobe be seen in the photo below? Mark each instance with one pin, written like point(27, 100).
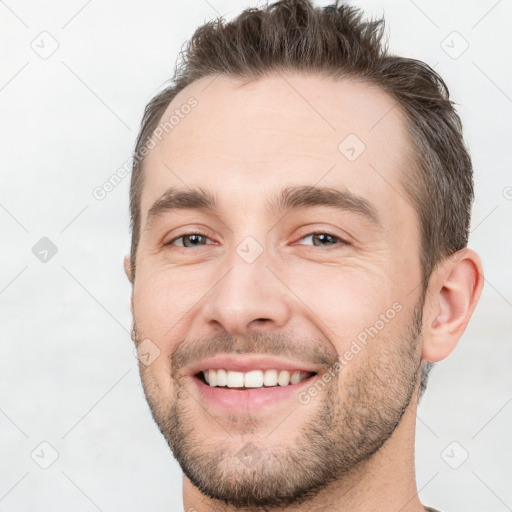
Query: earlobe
point(454, 293)
point(128, 268)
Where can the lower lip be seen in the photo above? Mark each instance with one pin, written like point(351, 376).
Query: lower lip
point(249, 398)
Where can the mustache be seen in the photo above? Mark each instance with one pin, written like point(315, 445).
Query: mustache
point(293, 347)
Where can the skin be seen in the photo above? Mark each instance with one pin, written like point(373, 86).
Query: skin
point(243, 143)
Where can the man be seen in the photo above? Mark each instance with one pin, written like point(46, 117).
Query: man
point(300, 205)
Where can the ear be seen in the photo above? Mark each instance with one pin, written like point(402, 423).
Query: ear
point(453, 292)
point(128, 268)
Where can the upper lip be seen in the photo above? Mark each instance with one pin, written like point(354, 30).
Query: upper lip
point(246, 363)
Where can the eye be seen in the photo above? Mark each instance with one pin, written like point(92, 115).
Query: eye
point(189, 240)
point(323, 239)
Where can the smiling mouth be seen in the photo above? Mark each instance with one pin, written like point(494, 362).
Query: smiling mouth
point(253, 379)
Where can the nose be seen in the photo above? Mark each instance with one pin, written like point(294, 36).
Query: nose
point(248, 298)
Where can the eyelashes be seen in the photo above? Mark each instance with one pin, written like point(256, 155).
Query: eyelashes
point(185, 236)
point(193, 238)
point(330, 235)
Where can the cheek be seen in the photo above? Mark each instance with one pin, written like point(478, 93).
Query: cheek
point(374, 357)
point(343, 301)
point(157, 309)
point(163, 297)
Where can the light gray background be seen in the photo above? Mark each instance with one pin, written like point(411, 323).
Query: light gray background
point(68, 373)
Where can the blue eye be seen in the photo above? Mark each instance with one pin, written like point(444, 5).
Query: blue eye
point(318, 239)
point(194, 240)
point(323, 239)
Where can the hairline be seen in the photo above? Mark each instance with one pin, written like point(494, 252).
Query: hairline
point(413, 154)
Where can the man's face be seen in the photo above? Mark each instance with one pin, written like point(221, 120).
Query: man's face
point(321, 286)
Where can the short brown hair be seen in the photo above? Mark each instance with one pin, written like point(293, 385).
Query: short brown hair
point(336, 41)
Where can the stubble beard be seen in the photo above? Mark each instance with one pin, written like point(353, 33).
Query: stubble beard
point(352, 419)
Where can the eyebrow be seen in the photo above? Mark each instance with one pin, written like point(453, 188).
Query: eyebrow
point(289, 198)
point(175, 199)
point(307, 196)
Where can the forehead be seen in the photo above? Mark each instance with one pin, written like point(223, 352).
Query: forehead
point(245, 140)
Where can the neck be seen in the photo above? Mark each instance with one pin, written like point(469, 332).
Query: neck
point(384, 483)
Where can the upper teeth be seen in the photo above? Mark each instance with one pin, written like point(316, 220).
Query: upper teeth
point(253, 378)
